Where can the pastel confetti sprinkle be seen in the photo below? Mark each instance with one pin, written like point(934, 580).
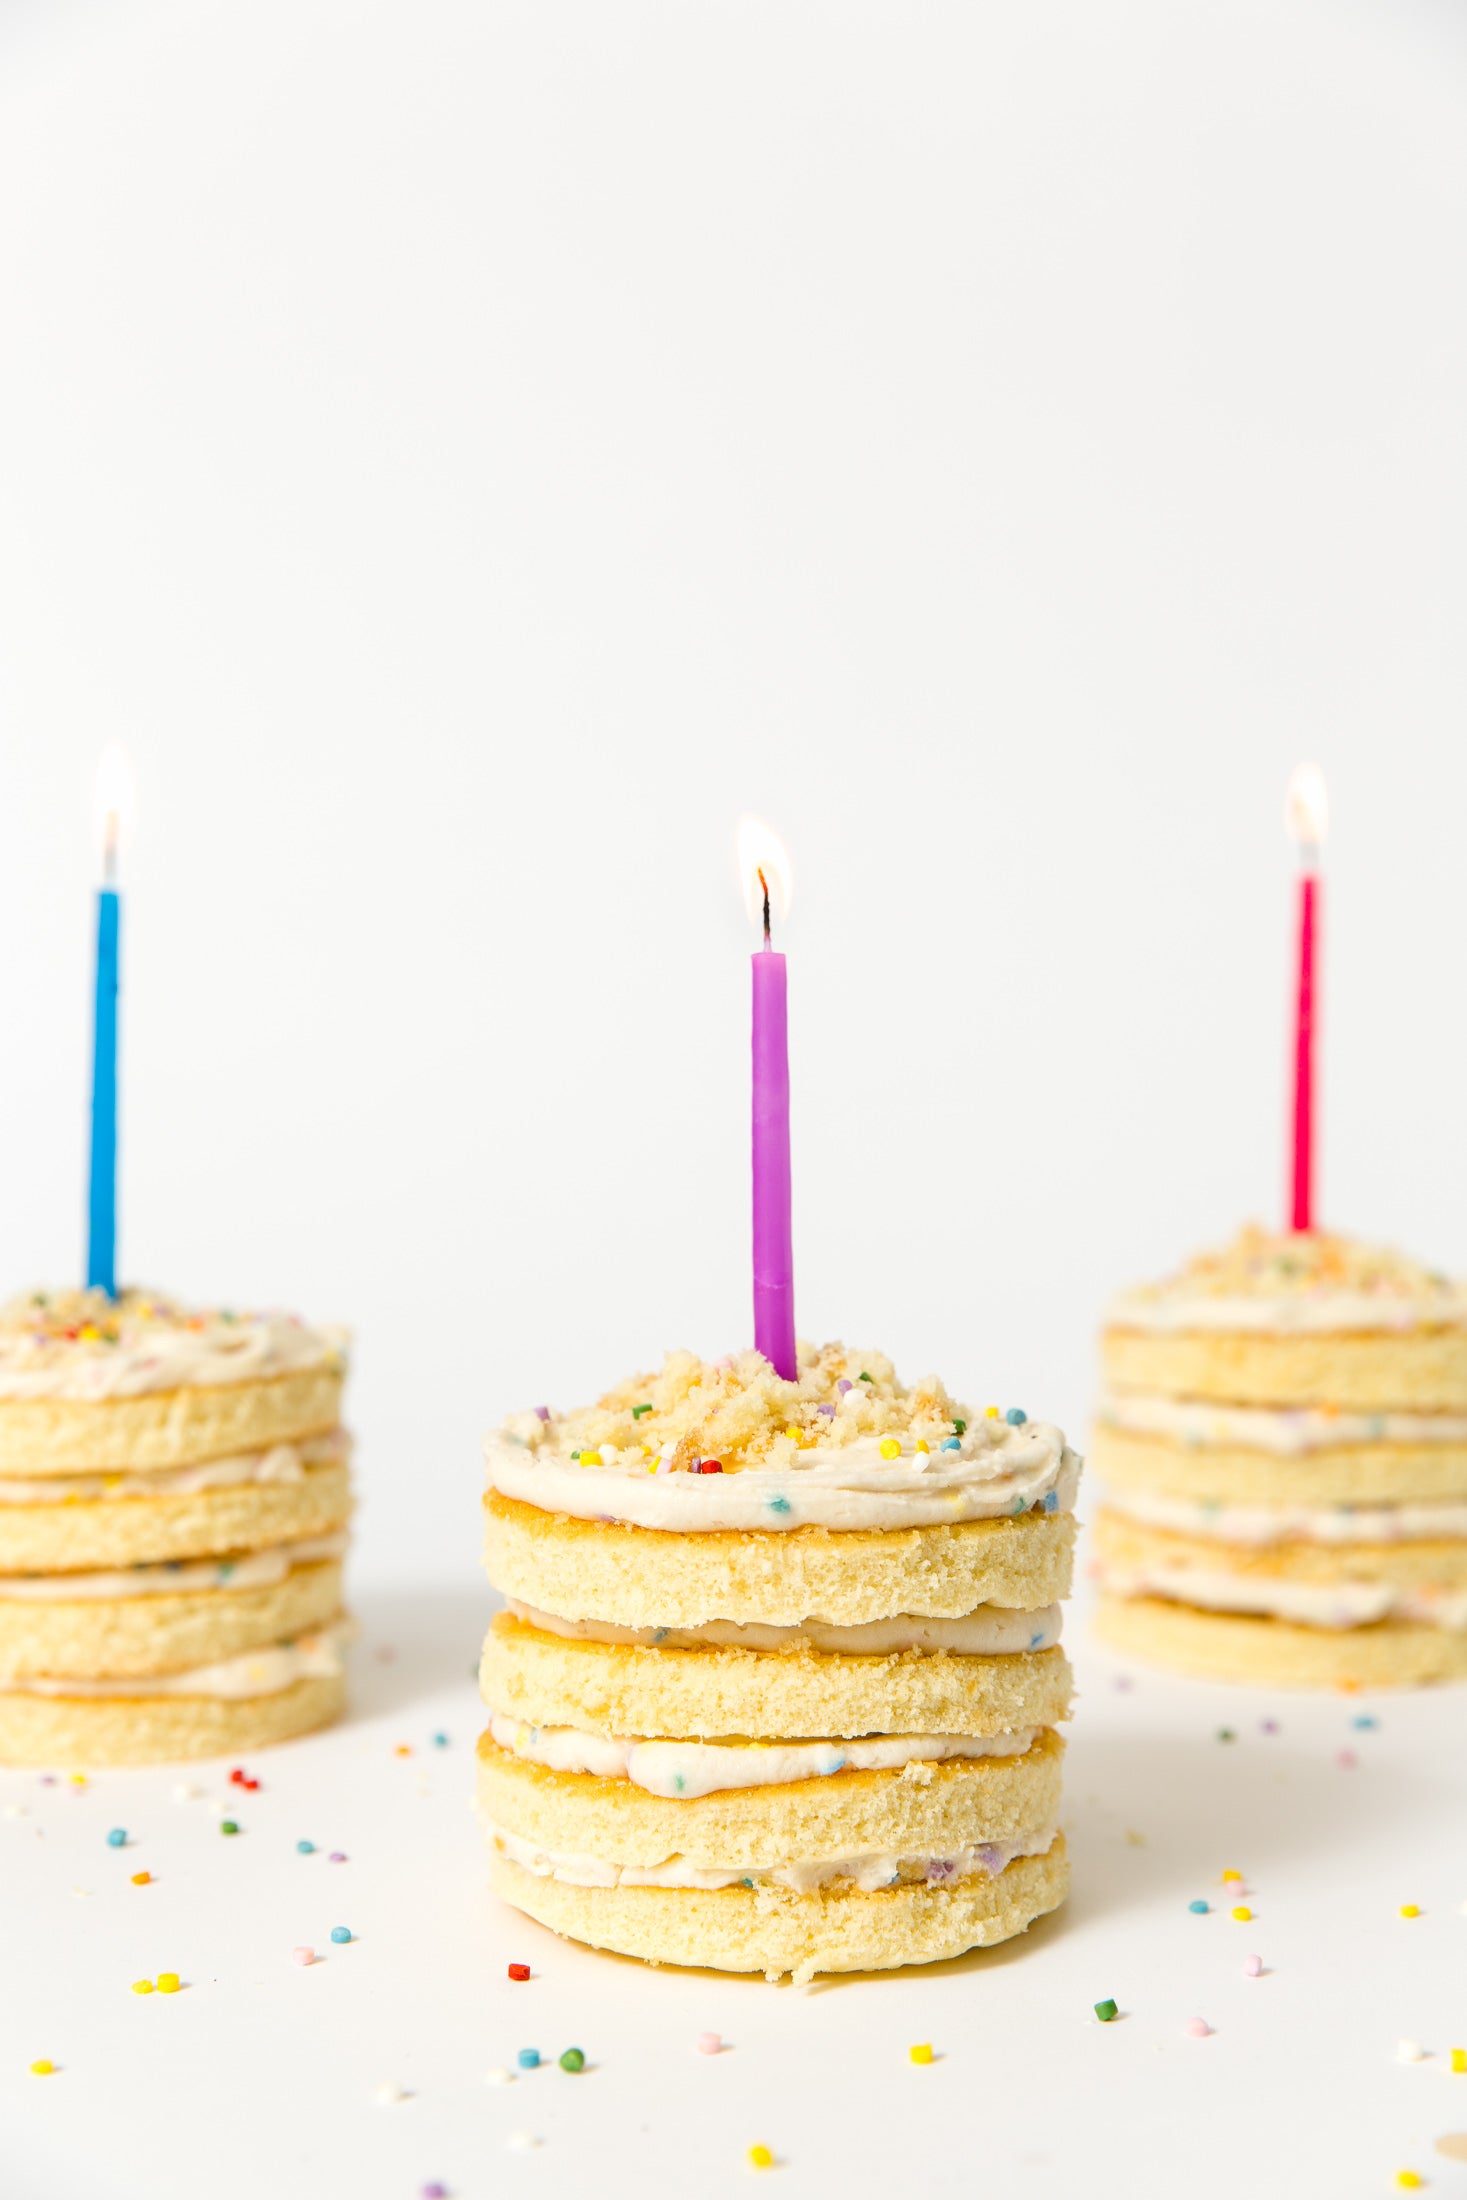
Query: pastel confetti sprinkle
point(1199, 1908)
point(303, 1956)
point(1198, 2028)
point(1410, 1909)
point(1106, 2011)
point(168, 1982)
point(573, 2060)
point(1242, 1914)
point(43, 2069)
point(760, 2158)
point(920, 2054)
point(1252, 1966)
point(498, 2075)
point(117, 1838)
point(709, 2043)
point(1410, 2051)
point(528, 2058)
point(519, 1971)
point(340, 1933)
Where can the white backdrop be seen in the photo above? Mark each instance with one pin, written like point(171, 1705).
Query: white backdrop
point(471, 452)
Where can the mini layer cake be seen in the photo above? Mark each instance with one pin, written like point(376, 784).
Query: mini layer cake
point(776, 1686)
point(174, 1496)
point(1283, 1443)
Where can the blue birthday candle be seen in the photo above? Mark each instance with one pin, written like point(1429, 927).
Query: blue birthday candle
point(102, 1187)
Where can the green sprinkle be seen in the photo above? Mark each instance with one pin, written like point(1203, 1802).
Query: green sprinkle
point(679, 1783)
point(228, 1825)
point(1106, 2011)
point(638, 1411)
point(575, 1455)
point(863, 1377)
point(779, 1504)
point(1226, 1734)
point(960, 1428)
point(573, 2059)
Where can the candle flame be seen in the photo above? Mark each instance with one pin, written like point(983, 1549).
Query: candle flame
point(764, 869)
point(1306, 808)
point(114, 807)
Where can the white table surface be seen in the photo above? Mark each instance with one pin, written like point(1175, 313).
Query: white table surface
point(261, 2077)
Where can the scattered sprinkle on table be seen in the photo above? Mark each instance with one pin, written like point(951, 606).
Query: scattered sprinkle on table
point(1407, 2180)
point(1231, 1879)
point(709, 2043)
point(43, 2068)
point(229, 1825)
point(117, 1838)
point(1365, 1722)
point(519, 1971)
point(168, 1982)
point(1347, 1760)
point(1226, 1734)
point(1198, 2028)
point(303, 1955)
point(440, 1741)
point(573, 2060)
point(433, 2190)
point(1252, 1966)
point(1199, 1908)
point(922, 2053)
point(390, 2094)
point(1459, 2061)
point(142, 1986)
point(142, 1879)
point(1106, 2011)
point(528, 2058)
point(1410, 1909)
point(760, 2158)
point(498, 2075)
point(305, 1848)
point(1268, 1726)
point(337, 1856)
point(1242, 1915)
point(521, 2141)
point(1410, 2051)
point(340, 1933)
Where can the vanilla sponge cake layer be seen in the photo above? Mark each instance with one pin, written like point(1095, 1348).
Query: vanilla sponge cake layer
point(70, 1537)
point(1355, 1474)
point(167, 1428)
point(101, 1638)
point(648, 1577)
point(144, 1730)
point(787, 1694)
point(923, 1810)
point(1436, 1564)
point(1271, 1653)
point(1420, 1371)
point(779, 1932)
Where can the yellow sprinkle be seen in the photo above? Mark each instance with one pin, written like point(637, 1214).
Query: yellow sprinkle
point(42, 2069)
point(142, 1986)
point(1410, 1909)
point(1459, 2061)
point(922, 1444)
point(78, 1779)
point(760, 2158)
point(890, 1448)
point(1242, 1913)
point(990, 1413)
point(1408, 2180)
point(168, 1982)
point(1229, 1876)
point(89, 1333)
point(590, 1458)
point(922, 2054)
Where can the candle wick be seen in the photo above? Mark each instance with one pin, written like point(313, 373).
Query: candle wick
point(764, 883)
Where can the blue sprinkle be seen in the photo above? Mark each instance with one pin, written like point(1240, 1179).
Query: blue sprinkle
point(340, 1933)
point(440, 1741)
point(779, 1504)
point(1019, 1505)
point(1036, 1640)
point(839, 1765)
point(1051, 1502)
point(952, 1444)
point(117, 1838)
point(748, 1882)
point(679, 1783)
point(305, 1848)
point(528, 2058)
point(1365, 1721)
point(1016, 1416)
point(659, 1633)
point(1199, 1908)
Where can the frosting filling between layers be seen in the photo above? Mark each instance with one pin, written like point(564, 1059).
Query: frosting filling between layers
point(255, 1570)
point(1289, 1432)
point(1306, 1603)
point(869, 1873)
point(282, 1463)
point(1026, 1469)
point(1329, 1313)
point(264, 1672)
point(990, 1631)
point(1262, 1526)
point(689, 1769)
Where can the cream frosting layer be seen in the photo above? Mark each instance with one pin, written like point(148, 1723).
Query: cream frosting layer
point(283, 1463)
point(685, 1770)
point(869, 1872)
point(83, 1345)
point(995, 1471)
point(1262, 1526)
point(317, 1656)
point(1305, 1603)
point(1289, 1433)
point(1342, 1313)
point(1296, 1282)
point(174, 1577)
point(991, 1631)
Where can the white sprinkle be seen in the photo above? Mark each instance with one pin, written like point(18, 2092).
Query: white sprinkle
point(186, 1792)
point(85, 1893)
point(1410, 2051)
point(390, 2094)
point(499, 2076)
point(520, 2142)
point(16, 1810)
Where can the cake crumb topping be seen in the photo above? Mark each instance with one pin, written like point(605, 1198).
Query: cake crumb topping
point(1289, 1264)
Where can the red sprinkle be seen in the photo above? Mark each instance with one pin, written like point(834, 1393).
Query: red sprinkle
point(710, 1466)
point(519, 1970)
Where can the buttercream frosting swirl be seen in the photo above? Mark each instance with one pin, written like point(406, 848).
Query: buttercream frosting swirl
point(869, 1872)
point(83, 1345)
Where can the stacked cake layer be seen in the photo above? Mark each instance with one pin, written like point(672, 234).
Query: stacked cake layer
point(174, 1497)
point(776, 1685)
point(1283, 1443)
